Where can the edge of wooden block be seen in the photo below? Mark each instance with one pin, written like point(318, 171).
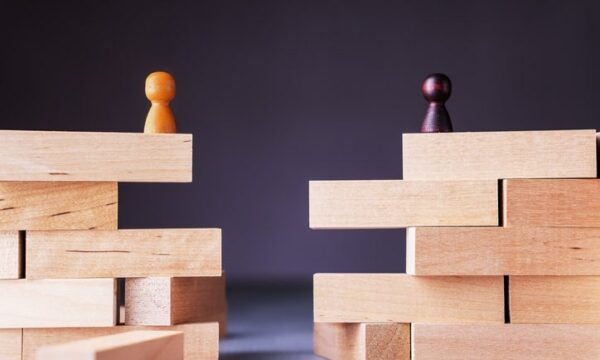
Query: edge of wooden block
point(411, 250)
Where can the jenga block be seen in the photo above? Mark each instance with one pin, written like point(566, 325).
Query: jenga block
point(551, 202)
point(499, 155)
point(58, 205)
point(123, 253)
point(131, 345)
point(10, 344)
point(385, 298)
point(11, 254)
point(554, 299)
point(503, 251)
point(171, 301)
point(505, 342)
point(93, 156)
point(398, 204)
point(57, 303)
point(200, 340)
point(365, 341)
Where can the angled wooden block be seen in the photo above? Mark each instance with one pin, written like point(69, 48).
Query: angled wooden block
point(11, 254)
point(399, 204)
point(551, 202)
point(499, 155)
point(58, 205)
point(352, 298)
point(364, 341)
point(10, 344)
point(503, 251)
point(131, 345)
point(200, 340)
point(171, 301)
point(554, 299)
point(95, 156)
point(123, 253)
point(505, 342)
point(57, 303)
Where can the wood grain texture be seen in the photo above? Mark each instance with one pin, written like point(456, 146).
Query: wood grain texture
point(57, 303)
point(505, 342)
point(551, 202)
point(555, 299)
point(131, 345)
point(400, 298)
point(58, 205)
point(10, 344)
point(499, 155)
point(366, 341)
point(503, 251)
point(95, 156)
point(398, 204)
point(11, 254)
point(123, 253)
point(171, 301)
point(200, 340)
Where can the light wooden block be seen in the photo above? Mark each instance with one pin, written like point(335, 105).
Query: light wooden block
point(10, 344)
point(400, 298)
point(200, 340)
point(57, 303)
point(95, 156)
point(58, 205)
point(123, 253)
point(398, 204)
point(365, 341)
point(132, 345)
point(499, 155)
point(171, 301)
point(505, 342)
point(503, 251)
point(11, 254)
point(554, 299)
point(551, 202)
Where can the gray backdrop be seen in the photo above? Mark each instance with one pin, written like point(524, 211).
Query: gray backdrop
point(280, 92)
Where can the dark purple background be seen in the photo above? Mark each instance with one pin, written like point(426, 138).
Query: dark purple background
point(280, 92)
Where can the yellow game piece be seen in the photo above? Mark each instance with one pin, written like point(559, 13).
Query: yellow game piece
point(160, 90)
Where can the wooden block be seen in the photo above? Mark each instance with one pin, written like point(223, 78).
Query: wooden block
point(58, 205)
point(503, 251)
point(365, 341)
point(398, 204)
point(123, 253)
point(57, 303)
point(200, 340)
point(94, 156)
point(554, 299)
point(499, 155)
point(505, 342)
point(551, 202)
point(131, 345)
point(10, 344)
point(11, 254)
point(400, 298)
point(171, 301)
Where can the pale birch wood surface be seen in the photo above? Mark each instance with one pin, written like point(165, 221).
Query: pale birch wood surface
point(95, 156)
point(123, 253)
point(499, 155)
point(11, 254)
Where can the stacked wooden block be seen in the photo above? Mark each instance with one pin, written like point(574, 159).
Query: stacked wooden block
point(503, 252)
point(62, 255)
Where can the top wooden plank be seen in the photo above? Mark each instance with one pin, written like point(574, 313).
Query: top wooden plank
point(95, 156)
point(499, 155)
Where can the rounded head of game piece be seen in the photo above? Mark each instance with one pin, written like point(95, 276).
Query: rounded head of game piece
point(436, 88)
point(160, 86)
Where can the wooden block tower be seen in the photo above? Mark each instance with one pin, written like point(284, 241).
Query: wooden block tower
point(503, 252)
point(62, 254)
